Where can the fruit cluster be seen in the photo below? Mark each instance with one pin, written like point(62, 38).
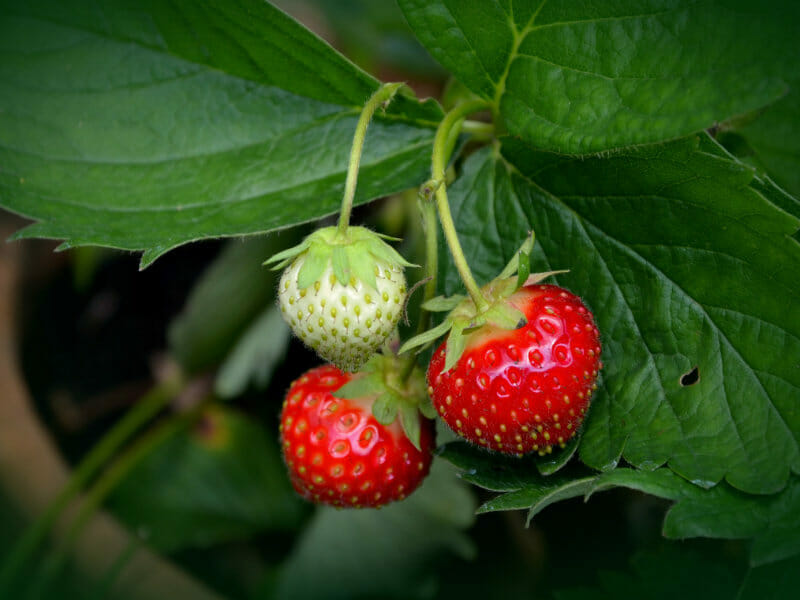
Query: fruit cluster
point(515, 374)
point(513, 390)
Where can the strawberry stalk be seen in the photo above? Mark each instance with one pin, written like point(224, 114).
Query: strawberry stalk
point(444, 142)
point(444, 135)
point(381, 98)
point(431, 261)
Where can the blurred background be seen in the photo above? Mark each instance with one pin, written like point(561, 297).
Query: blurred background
point(197, 504)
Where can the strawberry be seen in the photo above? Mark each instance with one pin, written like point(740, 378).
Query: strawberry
point(342, 293)
point(525, 389)
point(338, 452)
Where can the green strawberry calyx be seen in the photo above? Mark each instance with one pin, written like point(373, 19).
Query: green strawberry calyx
point(351, 254)
point(465, 318)
point(382, 380)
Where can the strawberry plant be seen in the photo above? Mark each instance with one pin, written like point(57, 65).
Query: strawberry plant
point(576, 261)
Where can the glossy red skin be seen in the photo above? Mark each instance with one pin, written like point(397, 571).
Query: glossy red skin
point(523, 390)
point(337, 452)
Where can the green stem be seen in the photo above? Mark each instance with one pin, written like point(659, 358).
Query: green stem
point(431, 260)
point(382, 96)
point(478, 130)
point(144, 410)
point(112, 477)
point(445, 141)
point(438, 166)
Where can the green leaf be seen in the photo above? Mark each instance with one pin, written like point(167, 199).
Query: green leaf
point(685, 264)
point(255, 356)
point(771, 191)
point(401, 546)
point(536, 499)
point(721, 511)
point(525, 487)
point(552, 463)
point(148, 125)
point(222, 481)
point(473, 40)
point(503, 473)
point(586, 77)
point(230, 294)
point(774, 137)
point(728, 513)
point(661, 482)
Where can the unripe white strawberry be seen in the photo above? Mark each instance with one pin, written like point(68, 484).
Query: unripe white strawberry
point(342, 293)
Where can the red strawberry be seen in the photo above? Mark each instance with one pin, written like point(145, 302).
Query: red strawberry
point(339, 454)
point(525, 389)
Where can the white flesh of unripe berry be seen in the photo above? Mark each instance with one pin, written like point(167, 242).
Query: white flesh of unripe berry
point(344, 324)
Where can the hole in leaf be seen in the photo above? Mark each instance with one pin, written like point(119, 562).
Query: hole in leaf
point(690, 378)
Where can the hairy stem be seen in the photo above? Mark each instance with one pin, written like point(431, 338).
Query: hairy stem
point(478, 130)
point(439, 163)
point(382, 96)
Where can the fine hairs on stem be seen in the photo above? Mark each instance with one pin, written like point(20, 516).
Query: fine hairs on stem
point(382, 96)
point(438, 165)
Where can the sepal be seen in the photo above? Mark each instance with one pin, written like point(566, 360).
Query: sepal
point(315, 263)
point(285, 257)
point(385, 408)
point(535, 278)
point(456, 344)
point(426, 407)
point(524, 250)
point(381, 381)
point(410, 420)
point(443, 303)
point(504, 316)
point(422, 340)
point(359, 387)
point(351, 254)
